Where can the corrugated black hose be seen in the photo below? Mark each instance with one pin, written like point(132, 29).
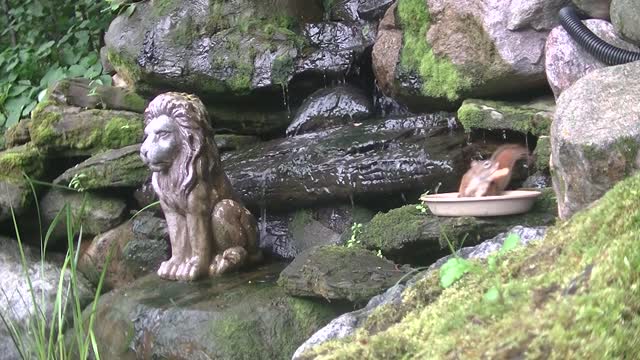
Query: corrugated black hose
point(595, 46)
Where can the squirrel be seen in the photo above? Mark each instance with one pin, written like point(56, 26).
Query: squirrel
point(491, 177)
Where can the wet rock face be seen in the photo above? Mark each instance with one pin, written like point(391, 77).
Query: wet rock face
point(234, 50)
point(586, 160)
point(566, 61)
point(339, 273)
point(379, 159)
point(237, 316)
point(332, 106)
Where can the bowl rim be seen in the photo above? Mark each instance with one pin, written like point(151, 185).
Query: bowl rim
point(452, 197)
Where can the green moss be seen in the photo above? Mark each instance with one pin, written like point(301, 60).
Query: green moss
point(300, 220)
point(439, 76)
point(135, 102)
point(120, 132)
point(471, 117)
point(575, 294)
point(281, 69)
point(21, 159)
point(242, 333)
point(491, 115)
point(628, 147)
point(185, 33)
point(43, 124)
point(542, 153)
point(240, 82)
point(398, 225)
point(126, 67)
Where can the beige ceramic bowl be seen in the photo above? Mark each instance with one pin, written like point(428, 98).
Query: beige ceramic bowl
point(508, 203)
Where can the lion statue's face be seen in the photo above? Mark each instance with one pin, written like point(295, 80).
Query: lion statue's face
point(161, 144)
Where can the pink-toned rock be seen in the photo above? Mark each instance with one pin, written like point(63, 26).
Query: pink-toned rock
point(386, 51)
point(566, 61)
point(474, 48)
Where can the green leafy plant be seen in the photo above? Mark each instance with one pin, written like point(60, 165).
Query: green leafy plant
point(455, 268)
point(356, 229)
point(494, 293)
point(43, 41)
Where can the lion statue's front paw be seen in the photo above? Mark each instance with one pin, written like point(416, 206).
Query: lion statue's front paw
point(168, 269)
point(230, 259)
point(193, 268)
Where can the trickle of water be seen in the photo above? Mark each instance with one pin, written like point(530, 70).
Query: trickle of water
point(263, 222)
point(526, 141)
point(285, 99)
point(504, 134)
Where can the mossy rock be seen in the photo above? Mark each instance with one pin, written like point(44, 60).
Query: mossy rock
point(71, 131)
point(112, 168)
point(339, 273)
point(82, 93)
point(452, 50)
point(95, 212)
point(18, 134)
point(542, 153)
point(574, 294)
point(532, 117)
point(15, 191)
point(408, 235)
point(236, 316)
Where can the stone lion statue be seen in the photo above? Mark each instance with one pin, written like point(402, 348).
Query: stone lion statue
point(211, 232)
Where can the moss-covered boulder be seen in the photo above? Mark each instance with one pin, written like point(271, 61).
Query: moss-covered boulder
point(566, 61)
point(595, 136)
point(339, 273)
point(72, 131)
point(83, 93)
point(530, 117)
point(15, 191)
point(409, 235)
point(236, 316)
point(112, 168)
point(133, 249)
point(574, 294)
point(96, 213)
point(436, 53)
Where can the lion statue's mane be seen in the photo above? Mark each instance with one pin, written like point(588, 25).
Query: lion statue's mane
point(198, 157)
